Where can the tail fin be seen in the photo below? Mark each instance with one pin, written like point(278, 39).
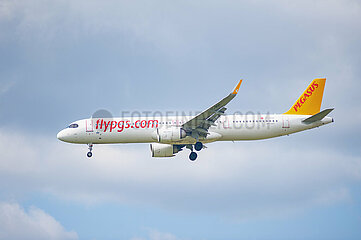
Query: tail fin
point(309, 103)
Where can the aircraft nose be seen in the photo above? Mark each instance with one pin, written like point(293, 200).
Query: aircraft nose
point(61, 135)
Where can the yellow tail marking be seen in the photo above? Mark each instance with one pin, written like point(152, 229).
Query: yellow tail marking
point(235, 91)
point(309, 103)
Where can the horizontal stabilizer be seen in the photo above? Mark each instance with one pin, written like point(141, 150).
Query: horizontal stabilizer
point(318, 116)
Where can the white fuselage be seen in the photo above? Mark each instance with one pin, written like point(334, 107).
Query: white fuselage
point(145, 129)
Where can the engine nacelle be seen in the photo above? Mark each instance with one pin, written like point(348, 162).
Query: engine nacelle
point(168, 135)
point(164, 150)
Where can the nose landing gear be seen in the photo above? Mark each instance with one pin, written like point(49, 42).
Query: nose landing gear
point(90, 147)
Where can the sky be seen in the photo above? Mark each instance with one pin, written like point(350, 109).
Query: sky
point(62, 60)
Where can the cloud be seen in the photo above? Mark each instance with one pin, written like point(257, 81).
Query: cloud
point(179, 29)
point(16, 223)
point(6, 86)
point(231, 180)
point(72, 21)
point(157, 235)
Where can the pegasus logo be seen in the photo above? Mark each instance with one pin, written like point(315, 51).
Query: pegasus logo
point(305, 96)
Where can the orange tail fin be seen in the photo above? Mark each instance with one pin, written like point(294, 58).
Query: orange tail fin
point(309, 103)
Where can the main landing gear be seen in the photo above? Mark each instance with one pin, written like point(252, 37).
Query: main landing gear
point(90, 147)
point(193, 156)
point(197, 146)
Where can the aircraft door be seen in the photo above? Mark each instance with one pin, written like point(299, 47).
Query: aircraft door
point(225, 123)
point(285, 122)
point(89, 125)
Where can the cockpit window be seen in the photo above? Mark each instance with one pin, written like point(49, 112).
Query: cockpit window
point(74, 125)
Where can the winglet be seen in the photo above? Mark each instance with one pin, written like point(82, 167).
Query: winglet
point(235, 91)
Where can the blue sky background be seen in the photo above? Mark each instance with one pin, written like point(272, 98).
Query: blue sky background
point(61, 61)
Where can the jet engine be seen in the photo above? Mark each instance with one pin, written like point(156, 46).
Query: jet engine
point(164, 150)
point(167, 135)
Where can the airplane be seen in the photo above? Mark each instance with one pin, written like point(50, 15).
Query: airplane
point(169, 135)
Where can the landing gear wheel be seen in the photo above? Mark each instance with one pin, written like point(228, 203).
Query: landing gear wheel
point(193, 156)
point(198, 146)
point(90, 147)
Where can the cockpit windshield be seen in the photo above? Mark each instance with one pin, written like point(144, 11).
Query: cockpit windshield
point(74, 125)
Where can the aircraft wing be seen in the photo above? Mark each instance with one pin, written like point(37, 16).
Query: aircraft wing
point(199, 125)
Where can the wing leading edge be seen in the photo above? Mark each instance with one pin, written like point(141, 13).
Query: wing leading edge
point(199, 125)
